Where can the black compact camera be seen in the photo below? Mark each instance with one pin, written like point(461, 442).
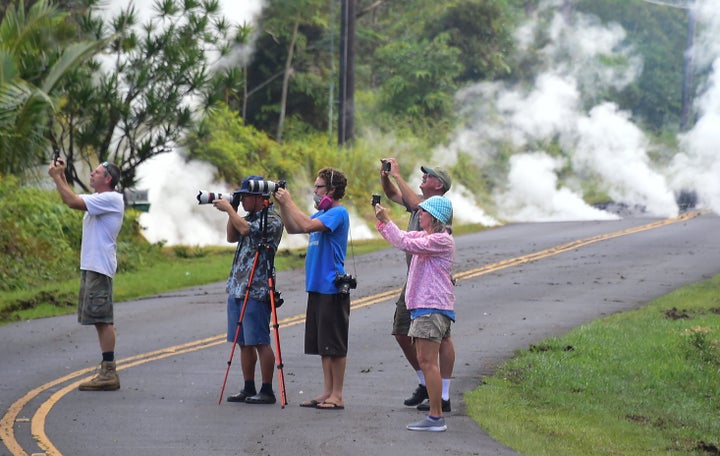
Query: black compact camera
point(386, 165)
point(265, 186)
point(278, 299)
point(345, 282)
point(375, 199)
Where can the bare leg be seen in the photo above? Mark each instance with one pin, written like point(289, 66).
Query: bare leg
point(248, 359)
point(334, 373)
point(267, 362)
point(427, 354)
point(327, 379)
point(106, 336)
point(447, 357)
point(405, 343)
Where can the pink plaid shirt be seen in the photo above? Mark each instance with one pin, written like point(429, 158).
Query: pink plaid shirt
point(429, 283)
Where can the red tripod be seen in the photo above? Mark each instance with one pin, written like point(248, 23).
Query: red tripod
point(267, 249)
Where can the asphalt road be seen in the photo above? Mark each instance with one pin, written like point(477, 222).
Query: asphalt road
point(517, 285)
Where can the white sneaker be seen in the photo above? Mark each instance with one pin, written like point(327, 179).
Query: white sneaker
point(428, 424)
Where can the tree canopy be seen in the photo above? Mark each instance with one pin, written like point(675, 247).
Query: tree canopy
point(154, 80)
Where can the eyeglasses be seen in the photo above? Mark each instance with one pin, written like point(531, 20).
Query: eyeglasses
point(320, 186)
point(106, 165)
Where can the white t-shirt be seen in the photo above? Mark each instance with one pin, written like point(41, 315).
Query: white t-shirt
point(101, 225)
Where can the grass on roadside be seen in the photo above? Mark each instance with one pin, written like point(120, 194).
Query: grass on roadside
point(637, 383)
point(180, 267)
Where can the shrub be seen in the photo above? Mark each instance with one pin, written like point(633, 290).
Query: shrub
point(40, 238)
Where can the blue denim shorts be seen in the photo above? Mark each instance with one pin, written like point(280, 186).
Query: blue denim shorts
point(255, 328)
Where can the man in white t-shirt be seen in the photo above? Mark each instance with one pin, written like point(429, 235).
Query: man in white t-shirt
point(104, 211)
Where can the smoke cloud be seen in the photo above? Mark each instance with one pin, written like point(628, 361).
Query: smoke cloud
point(697, 167)
point(563, 134)
point(599, 143)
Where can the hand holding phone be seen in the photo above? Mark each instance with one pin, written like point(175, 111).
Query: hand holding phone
point(375, 199)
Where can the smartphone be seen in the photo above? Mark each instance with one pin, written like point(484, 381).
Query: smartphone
point(375, 199)
point(56, 156)
point(386, 166)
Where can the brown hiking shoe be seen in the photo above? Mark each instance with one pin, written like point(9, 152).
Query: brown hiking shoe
point(105, 380)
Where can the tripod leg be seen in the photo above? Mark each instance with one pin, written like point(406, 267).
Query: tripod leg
point(278, 352)
point(239, 325)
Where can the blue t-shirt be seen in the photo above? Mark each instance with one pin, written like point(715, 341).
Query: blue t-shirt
point(326, 251)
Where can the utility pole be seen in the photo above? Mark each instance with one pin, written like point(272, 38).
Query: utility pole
point(346, 113)
point(687, 88)
point(567, 10)
point(687, 85)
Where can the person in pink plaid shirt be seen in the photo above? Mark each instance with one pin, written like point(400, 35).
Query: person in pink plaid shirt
point(430, 294)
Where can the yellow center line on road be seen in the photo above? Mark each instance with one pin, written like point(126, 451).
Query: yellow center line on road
point(570, 246)
point(7, 435)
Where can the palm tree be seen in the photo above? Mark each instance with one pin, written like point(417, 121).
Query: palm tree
point(33, 61)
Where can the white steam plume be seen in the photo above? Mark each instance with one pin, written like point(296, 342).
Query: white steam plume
point(175, 217)
point(599, 143)
point(533, 193)
point(697, 167)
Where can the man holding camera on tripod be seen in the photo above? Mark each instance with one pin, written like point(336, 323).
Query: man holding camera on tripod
point(253, 334)
point(328, 305)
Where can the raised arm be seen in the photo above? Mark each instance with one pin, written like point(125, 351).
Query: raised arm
point(236, 225)
point(400, 190)
point(295, 220)
point(57, 173)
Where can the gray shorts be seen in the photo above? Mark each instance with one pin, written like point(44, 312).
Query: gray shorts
point(401, 319)
point(435, 327)
point(95, 304)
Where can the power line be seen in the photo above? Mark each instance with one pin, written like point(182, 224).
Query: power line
point(682, 4)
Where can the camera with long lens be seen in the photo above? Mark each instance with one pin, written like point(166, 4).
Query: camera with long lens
point(205, 197)
point(265, 186)
point(345, 282)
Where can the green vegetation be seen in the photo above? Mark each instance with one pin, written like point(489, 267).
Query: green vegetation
point(164, 269)
point(636, 383)
point(174, 268)
point(641, 382)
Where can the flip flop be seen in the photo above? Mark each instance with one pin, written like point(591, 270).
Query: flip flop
point(310, 404)
point(327, 405)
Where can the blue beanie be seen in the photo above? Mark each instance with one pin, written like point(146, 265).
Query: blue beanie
point(439, 207)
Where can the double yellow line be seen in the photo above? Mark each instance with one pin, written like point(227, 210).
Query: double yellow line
point(570, 246)
point(7, 424)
